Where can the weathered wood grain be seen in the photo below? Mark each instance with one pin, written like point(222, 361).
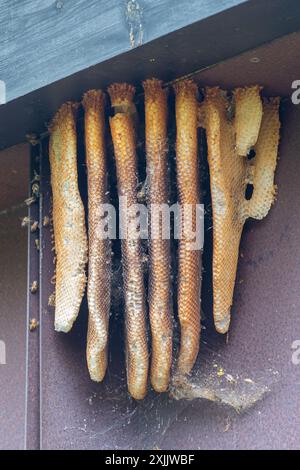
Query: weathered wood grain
point(53, 51)
point(47, 40)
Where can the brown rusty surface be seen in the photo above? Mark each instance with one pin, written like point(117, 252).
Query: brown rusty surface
point(14, 175)
point(13, 292)
point(274, 66)
point(13, 254)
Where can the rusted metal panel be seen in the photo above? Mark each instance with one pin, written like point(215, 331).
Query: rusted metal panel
point(13, 255)
point(13, 293)
point(14, 176)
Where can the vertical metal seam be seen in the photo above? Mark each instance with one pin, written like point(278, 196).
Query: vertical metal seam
point(31, 253)
point(27, 311)
point(40, 292)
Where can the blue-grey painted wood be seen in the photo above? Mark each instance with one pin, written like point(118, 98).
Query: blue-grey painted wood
point(49, 50)
point(47, 40)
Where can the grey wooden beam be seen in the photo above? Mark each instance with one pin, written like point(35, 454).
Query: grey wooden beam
point(51, 52)
point(47, 40)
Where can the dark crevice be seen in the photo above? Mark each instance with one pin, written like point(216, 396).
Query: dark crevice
point(249, 191)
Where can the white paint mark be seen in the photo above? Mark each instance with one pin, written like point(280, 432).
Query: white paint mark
point(2, 92)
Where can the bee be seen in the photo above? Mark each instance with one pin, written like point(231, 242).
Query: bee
point(34, 287)
point(36, 177)
point(46, 221)
point(25, 221)
point(34, 226)
point(142, 192)
point(230, 111)
point(32, 139)
point(35, 189)
point(30, 200)
point(51, 300)
point(33, 324)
